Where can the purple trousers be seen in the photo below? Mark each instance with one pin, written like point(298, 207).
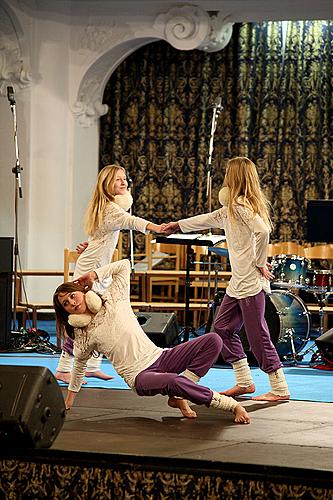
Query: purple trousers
point(163, 376)
point(68, 345)
point(250, 311)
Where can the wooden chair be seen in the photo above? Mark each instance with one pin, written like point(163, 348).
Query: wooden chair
point(321, 252)
point(174, 253)
point(285, 248)
point(71, 256)
point(157, 255)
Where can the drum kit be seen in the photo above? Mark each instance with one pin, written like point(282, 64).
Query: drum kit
point(287, 316)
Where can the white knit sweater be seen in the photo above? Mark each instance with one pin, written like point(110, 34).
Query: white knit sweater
point(247, 239)
point(102, 244)
point(114, 331)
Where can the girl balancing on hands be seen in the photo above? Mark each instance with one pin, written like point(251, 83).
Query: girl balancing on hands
point(106, 323)
point(106, 215)
point(246, 222)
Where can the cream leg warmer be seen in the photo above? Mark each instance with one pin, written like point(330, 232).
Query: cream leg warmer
point(223, 402)
point(65, 362)
point(242, 373)
point(94, 364)
point(191, 376)
point(278, 383)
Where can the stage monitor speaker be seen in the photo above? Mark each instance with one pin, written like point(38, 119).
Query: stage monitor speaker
point(32, 408)
point(325, 345)
point(6, 286)
point(161, 328)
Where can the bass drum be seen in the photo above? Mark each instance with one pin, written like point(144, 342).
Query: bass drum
point(288, 321)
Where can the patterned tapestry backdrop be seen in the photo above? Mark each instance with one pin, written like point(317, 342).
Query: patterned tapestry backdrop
point(275, 80)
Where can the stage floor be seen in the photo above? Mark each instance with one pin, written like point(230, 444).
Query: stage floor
point(292, 434)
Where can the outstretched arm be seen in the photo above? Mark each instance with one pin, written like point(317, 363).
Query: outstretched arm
point(156, 228)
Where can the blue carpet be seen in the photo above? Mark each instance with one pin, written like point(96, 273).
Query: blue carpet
point(305, 383)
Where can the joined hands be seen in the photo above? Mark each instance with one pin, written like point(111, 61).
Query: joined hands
point(170, 228)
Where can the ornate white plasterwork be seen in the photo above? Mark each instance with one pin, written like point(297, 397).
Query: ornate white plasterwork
point(100, 35)
point(89, 107)
point(13, 71)
point(190, 27)
point(185, 28)
point(87, 113)
point(220, 35)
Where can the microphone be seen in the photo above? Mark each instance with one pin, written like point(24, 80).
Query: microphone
point(11, 95)
point(218, 104)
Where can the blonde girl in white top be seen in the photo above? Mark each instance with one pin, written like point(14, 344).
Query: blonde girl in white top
point(106, 215)
point(245, 219)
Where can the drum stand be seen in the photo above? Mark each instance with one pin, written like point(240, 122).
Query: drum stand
point(216, 302)
point(321, 298)
point(294, 357)
point(290, 336)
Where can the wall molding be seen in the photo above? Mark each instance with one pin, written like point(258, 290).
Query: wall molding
point(185, 28)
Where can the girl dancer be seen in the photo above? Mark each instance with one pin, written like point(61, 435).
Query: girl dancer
point(246, 222)
point(108, 325)
point(105, 217)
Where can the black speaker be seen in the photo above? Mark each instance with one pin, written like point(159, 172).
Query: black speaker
point(6, 285)
point(325, 345)
point(32, 408)
point(161, 328)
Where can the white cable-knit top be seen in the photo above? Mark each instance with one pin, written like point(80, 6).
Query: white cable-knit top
point(247, 238)
point(114, 331)
point(102, 244)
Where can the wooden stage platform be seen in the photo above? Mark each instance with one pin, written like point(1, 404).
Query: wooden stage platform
point(116, 445)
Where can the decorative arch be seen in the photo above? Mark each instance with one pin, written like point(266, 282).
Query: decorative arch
point(185, 28)
point(14, 53)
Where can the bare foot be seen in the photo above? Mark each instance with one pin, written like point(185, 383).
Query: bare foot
point(269, 396)
point(65, 377)
point(241, 415)
point(99, 374)
point(183, 405)
point(238, 390)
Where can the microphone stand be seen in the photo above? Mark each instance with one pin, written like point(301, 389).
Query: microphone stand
point(131, 250)
point(131, 240)
point(217, 108)
point(18, 193)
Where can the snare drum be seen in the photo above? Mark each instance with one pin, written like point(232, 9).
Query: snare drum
point(323, 279)
point(289, 270)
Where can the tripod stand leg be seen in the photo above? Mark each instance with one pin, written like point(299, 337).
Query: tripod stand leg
point(211, 316)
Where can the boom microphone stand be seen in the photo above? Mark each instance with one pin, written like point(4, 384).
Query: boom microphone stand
point(18, 193)
point(217, 108)
point(131, 252)
point(22, 341)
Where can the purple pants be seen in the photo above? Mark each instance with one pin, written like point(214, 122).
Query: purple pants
point(163, 376)
point(250, 311)
point(68, 345)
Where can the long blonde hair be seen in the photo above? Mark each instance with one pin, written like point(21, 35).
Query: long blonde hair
point(102, 195)
point(243, 181)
